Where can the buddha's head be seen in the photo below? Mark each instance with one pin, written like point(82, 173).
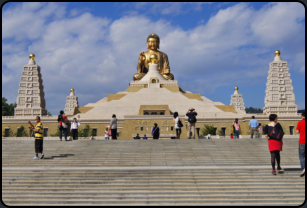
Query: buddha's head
point(153, 41)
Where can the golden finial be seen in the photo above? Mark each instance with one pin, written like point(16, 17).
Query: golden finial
point(72, 90)
point(236, 88)
point(153, 58)
point(32, 56)
point(277, 53)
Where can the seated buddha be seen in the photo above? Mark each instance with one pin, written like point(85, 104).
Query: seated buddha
point(153, 42)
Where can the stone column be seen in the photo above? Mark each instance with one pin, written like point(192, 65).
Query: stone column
point(71, 102)
point(279, 97)
point(31, 96)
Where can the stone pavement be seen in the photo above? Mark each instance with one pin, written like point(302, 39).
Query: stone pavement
point(150, 172)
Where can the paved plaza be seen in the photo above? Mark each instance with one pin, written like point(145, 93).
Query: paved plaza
point(150, 172)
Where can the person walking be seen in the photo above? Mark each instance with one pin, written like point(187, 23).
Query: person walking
point(74, 129)
point(155, 132)
point(176, 120)
point(260, 130)
point(275, 146)
point(191, 122)
point(236, 126)
point(39, 138)
point(300, 129)
point(62, 125)
point(106, 134)
point(253, 125)
point(144, 137)
point(113, 127)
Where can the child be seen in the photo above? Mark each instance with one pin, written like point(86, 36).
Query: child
point(106, 134)
point(208, 136)
point(231, 136)
point(145, 137)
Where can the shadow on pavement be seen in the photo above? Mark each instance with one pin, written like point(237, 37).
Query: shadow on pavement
point(61, 155)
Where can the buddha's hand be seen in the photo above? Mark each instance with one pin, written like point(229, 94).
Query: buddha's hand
point(142, 58)
point(165, 71)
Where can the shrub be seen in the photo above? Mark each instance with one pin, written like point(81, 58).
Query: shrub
point(21, 132)
point(208, 129)
point(8, 134)
point(86, 132)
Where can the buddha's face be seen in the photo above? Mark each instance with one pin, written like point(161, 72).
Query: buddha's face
point(152, 44)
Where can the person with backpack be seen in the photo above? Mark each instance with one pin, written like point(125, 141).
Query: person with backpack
point(62, 125)
point(155, 132)
point(191, 122)
point(274, 134)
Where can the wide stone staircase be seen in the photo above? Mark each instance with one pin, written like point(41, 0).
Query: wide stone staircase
point(150, 172)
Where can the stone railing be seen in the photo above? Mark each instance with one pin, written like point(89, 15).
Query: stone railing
point(27, 117)
point(160, 82)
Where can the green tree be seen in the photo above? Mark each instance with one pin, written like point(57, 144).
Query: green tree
point(253, 110)
point(208, 129)
point(7, 109)
point(21, 132)
point(49, 114)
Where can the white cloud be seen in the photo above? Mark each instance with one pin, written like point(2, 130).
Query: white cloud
point(74, 12)
point(98, 57)
point(26, 21)
point(6, 79)
point(170, 8)
point(277, 23)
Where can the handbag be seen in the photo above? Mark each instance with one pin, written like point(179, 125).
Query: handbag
point(233, 128)
point(63, 123)
point(179, 123)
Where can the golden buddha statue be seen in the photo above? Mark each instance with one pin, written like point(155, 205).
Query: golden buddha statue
point(153, 42)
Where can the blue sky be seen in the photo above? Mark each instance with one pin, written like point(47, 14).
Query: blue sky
point(94, 47)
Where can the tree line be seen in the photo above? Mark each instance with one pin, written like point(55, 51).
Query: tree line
point(8, 109)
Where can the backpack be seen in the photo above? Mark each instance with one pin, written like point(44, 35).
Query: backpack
point(192, 119)
point(60, 118)
point(275, 133)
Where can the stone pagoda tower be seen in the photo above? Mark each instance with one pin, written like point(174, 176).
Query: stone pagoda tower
point(279, 97)
point(71, 102)
point(31, 96)
point(237, 100)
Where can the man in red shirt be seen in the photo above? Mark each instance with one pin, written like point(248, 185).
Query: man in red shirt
point(300, 129)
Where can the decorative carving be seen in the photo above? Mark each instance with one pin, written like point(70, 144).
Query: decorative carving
point(276, 89)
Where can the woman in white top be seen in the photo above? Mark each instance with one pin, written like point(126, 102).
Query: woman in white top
point(178, 129)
